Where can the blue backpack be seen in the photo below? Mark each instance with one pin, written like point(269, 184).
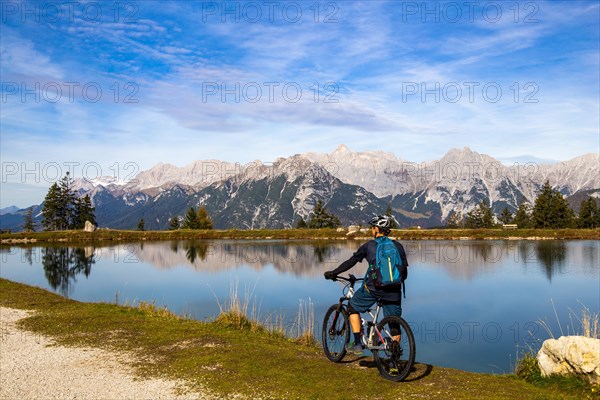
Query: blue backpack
point(386, 270)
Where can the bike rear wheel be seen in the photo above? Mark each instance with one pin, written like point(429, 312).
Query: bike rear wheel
point(336, 332)
point(396, 361)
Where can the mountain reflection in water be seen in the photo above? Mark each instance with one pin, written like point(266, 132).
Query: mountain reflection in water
point(471, 304)
point(463, 260)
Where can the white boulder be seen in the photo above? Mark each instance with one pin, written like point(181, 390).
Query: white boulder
point(568, 355)
point(89, 227)
point(353, 228)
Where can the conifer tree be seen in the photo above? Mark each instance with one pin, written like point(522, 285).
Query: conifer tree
point(455, 220)
point(67, 209)
point(191, 220)
point(480, 217)
point(488, 216)
point(204, 221)
point(301, 224)
point(28, 222)
point(551, 210)
point(83, 212)
point(589, 214)
point(388, 212)
point(63, 209)
point(174, 223)
point(506, 216)
point(322, 219)
point(141, 226)
point(51, 220)
point(522, 217)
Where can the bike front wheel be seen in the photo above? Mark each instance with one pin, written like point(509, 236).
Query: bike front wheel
point(336, 332)
point(397, 356)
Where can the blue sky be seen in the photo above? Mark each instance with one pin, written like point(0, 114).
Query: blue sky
point(118, 87)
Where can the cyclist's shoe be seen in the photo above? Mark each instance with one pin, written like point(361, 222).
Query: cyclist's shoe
point(397, 349)
point(356, 349)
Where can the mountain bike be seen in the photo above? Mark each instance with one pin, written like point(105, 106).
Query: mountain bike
point(394, 354)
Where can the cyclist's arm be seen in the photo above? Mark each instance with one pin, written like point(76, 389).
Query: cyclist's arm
point(357, 257)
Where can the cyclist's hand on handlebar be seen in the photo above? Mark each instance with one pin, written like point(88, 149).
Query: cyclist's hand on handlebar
point(330, 275)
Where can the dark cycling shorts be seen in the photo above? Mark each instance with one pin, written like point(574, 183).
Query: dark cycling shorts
point(363, 300)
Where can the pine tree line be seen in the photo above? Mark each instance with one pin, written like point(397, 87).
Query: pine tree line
point(550, 210)
point(194, 219)
point(320, 218)
point(29, 224)
point(63, 209)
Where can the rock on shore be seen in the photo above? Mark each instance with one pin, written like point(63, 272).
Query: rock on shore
point(569, 355)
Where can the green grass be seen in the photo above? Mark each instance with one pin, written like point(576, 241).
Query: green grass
point(529, 370)
point(241, 358)
point(402, 234)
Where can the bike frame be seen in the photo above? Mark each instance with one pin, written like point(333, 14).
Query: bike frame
point(371, 324)
point(394, 355)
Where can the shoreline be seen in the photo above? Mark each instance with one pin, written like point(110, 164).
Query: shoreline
point(111, 235)
point(215, 360)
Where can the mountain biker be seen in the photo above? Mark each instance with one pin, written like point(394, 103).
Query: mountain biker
point(368, 294)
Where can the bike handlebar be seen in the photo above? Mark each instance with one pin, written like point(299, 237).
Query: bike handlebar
point(351, 279)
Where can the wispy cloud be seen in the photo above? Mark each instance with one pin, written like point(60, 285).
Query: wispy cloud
point(382, 68)
point(20, 57)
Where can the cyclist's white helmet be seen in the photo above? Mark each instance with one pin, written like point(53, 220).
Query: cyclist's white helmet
point(383, 221)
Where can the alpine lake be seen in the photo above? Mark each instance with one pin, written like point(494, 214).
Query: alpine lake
point(474, 305)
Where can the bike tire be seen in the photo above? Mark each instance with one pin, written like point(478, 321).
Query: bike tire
point(396, 361)
point(335, 338)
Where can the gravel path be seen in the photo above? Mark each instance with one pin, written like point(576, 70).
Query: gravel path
point(30, 369)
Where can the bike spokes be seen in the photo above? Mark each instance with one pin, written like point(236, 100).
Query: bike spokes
point(396, 355)
point(336, 333)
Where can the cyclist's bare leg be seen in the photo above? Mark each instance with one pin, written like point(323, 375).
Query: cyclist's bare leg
point(355, 323)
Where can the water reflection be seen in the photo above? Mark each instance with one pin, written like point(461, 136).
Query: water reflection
point(209, 255)
point(551, 255)
point(194, 250)
point(457, 288)
point(63, 264)
point(466, 260)
point(323, 252)
point(461, 260)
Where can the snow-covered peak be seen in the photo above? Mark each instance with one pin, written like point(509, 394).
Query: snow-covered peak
point(570, 176)
point(84, 184)
point(466, 155)
point(376, 171)
point(199, 174)
point(342, 149)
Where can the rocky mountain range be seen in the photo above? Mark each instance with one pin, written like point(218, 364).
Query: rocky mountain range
point(353, 186)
